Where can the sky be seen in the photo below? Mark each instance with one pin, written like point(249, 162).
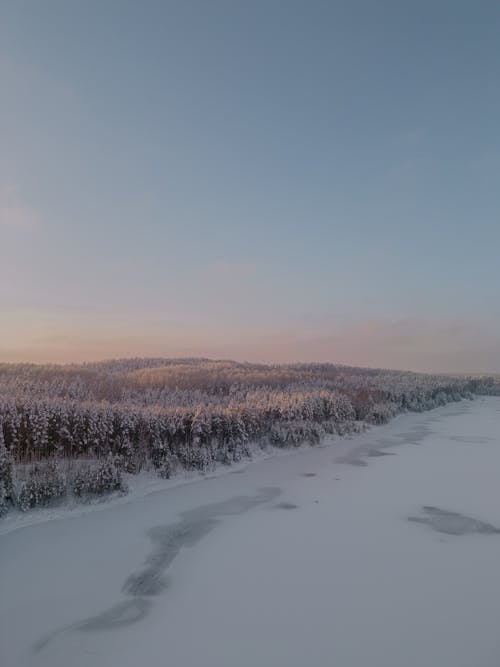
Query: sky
point(263, 181)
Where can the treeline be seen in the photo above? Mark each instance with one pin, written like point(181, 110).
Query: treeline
point(76, 429)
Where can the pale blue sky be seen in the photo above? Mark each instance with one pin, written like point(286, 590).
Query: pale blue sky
point(273, 181)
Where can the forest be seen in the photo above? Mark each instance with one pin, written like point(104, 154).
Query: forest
point(80, 430)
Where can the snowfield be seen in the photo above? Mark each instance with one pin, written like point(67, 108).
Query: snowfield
point(379, 550)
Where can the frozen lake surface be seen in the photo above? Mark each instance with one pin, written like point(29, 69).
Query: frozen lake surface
point(380, 550)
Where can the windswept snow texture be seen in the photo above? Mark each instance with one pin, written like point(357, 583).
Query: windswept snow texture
point(379, 560)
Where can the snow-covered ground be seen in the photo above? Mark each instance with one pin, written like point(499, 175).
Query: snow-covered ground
point(305, 559)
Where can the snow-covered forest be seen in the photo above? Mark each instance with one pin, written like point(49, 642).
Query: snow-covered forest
point(77, 429)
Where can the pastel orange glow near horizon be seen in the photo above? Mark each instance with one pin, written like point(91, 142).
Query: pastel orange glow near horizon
point(235, 181)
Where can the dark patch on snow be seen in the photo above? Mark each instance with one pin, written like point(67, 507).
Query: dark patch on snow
point(167, 542)
point(308, 474)
point(411, 438)
point(472, 440)
point(170, 539)
point(357, 462)
point(122, 614)
point(286, 506)
point(353, 460)
point(416, 434)
point(377, 446)
point(453, 523)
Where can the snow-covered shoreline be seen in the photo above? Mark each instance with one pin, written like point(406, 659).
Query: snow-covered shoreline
point(138, 486)
point(147, 482)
